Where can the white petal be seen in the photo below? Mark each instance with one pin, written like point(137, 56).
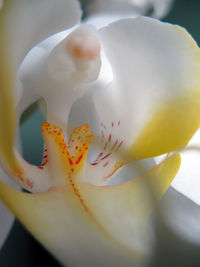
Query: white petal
point(182, 215)
point(29, 22)
point(187, 180)
point(152, 63)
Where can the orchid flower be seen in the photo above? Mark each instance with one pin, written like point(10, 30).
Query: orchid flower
point(141, 113)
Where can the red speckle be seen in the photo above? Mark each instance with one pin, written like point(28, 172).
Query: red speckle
point(118, 123)
point(119, 145)
point(40, 167)
point(101, 154)
point(112, 124)
point(106, 164)
point(106, 156)
point(114, 144)
point(70, 161)
point(110, 136)
point(94, 163)
point(76, 147)
point(105, 146)
point(29, 183)
point(78, 160)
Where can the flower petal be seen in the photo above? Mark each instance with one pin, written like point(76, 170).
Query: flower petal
point(187, 180)
point(65, 227)
point(182, 215)
point(156, 79)
point(130, 200)
point(57, 220)
point(6, 217)
point(24, 31)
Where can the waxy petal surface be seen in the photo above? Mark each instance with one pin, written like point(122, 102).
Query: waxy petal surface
point(101, 221)
point(155, 83)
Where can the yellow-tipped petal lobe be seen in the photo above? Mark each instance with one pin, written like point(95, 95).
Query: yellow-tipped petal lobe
point(114, 221)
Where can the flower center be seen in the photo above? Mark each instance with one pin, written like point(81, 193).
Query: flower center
point(72, 156)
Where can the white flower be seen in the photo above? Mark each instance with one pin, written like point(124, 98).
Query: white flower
point(140, 114)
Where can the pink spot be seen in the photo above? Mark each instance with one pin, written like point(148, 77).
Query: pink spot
point(112, 124)
point(79, 159)
point(118, 123)
point(40, 167)
point(119, 145)
point(43, 163)
point(116, 142)
point(110, 136)
point(101, 154)
point(106, 164)
point(105, 146)
point(94, 163)
point(106, 156)
point(29, 183)
point(70, 161)
point(102, 134)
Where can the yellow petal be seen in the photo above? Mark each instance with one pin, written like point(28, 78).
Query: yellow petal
point(123, 209)
point(111, 226)
point(171, 127)
point(7, 113)
point(62, 225)
point(156, 84)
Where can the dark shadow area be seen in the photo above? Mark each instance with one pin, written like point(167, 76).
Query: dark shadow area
point(22, 250)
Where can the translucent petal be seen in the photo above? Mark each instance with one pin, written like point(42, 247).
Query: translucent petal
point(187, 181)
point(131, 201)
point(24, 31)
point(66, 229)
point(78, 232)
point(155, 69)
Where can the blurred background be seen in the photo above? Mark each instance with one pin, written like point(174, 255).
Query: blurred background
point(21, 249)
